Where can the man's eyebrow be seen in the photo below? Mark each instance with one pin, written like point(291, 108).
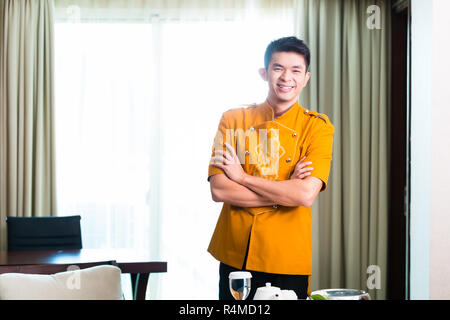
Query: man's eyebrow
point(298, 67)
point(277, 65)
point(294, 67)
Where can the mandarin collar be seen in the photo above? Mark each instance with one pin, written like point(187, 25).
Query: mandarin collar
point(270, 112)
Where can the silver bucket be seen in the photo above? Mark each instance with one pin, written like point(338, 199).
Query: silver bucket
point(342, 294)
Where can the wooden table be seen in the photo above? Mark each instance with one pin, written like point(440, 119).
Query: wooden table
point(137, 263)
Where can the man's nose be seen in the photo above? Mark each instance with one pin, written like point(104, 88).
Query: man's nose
point(286, 75)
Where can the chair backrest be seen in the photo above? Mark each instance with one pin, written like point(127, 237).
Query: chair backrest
point(44, 233)
point(85, 282)
point(52, 268)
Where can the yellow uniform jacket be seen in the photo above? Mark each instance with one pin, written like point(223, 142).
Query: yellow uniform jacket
point(269, 147)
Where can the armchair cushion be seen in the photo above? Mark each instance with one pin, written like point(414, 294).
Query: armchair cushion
point(94, 283)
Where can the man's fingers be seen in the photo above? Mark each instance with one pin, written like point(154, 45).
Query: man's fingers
point(301, 175)
point(303, 170)
point(218, 165)
point(303, 164)
point(304, 175)
point(220, 160)
point(217, 160)
point(223, 154)
point(230, 149)
point(300, 162)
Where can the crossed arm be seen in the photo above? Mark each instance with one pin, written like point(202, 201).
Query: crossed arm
point(238, 188)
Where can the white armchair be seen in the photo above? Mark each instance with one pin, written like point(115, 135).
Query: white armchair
point(101, 282)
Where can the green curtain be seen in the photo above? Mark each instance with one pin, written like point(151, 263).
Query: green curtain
point(27, 179)
point(350, 82)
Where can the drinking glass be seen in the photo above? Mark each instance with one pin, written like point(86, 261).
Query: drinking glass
point(240, 284)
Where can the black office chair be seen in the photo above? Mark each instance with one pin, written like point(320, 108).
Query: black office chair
point(41, 233)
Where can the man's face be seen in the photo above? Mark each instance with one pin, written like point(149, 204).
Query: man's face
point(286, 76)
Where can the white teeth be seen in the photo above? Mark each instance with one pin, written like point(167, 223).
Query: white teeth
point(284, 87)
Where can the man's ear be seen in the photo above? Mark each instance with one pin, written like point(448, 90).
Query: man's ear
point(307, 76)
point(263, 73)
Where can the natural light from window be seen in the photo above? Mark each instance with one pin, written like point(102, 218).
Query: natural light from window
point(137, 108)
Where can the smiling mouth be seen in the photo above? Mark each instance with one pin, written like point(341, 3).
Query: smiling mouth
point(285, 88)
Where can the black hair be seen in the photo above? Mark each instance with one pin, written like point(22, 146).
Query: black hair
point(287, 44)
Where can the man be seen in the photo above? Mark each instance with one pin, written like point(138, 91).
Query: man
point(260, 170)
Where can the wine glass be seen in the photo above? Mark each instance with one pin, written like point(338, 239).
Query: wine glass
point(240, 284)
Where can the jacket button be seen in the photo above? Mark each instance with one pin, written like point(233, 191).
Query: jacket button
point(247, 152)
point(252, 129)
point(294, 134)
point(288, 160)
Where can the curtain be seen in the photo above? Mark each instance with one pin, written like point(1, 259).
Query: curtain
point(350, 83)
point(27, 179)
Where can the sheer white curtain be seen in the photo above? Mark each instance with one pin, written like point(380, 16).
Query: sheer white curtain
point(138, 100)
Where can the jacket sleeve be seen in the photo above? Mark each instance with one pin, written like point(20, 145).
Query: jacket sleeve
point(320, 150)
point(219, 141)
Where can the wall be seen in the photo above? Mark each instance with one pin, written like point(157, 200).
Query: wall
point(430, 150)
point(421, 102)
point(440, 155)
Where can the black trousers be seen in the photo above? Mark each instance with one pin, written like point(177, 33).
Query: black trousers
point(298, 283)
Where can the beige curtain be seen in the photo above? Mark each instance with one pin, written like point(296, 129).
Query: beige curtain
point(27, 186)
point(350, 83)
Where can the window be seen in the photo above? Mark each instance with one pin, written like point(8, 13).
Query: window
point(137, 108)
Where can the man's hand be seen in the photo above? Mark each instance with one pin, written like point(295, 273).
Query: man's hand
point(301, 170)
point(229, 162)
